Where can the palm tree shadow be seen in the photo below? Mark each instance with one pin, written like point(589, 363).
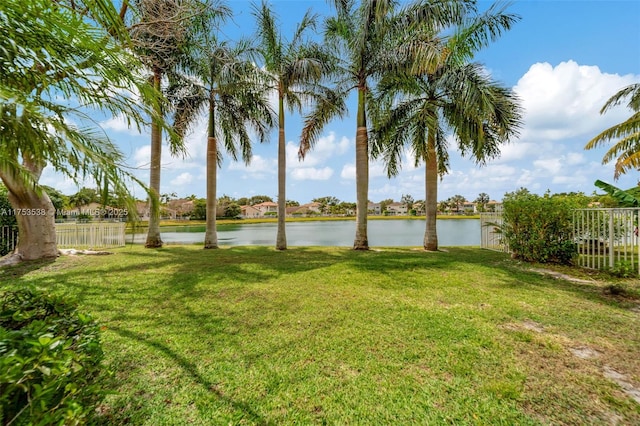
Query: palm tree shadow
point(191, 369)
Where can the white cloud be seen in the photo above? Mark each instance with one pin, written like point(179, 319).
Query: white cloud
point(119, 124)
point(565, 100)
point(142, 156)
point(376, 169)
point(258, 165)
point(312, 173)
point(325, 149)
point(182, 179)
point(348, 171)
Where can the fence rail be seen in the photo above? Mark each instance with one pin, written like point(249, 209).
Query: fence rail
point(74, 235)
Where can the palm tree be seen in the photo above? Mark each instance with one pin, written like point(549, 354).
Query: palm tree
point(231, 88)
point(164, 37)
point(366, 37)
point(453, 95)
point(296, 67)
point(627, 149)
point(38, 126)
point(482, 200)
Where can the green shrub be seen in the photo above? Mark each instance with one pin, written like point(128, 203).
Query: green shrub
point(623, 269)
point(539, 229)
point(50, 358)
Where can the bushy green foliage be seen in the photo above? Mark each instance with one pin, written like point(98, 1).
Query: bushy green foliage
point(539, 228)
point(50, 358)
point(623, 269)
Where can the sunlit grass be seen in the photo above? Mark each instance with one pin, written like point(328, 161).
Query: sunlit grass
point(249, 335)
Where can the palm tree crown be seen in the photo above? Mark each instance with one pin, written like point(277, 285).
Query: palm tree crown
point(296, 68)
point(627, 148)
point(423, 104)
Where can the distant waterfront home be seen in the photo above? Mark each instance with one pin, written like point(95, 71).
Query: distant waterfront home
point(374, 208)
point(267, 207)
point(248, 212)
point(397, 209)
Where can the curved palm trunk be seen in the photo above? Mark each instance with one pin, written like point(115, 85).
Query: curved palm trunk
point(361, 241)
point(153, 234)
point(281, 237)
point(35, 215)
point(431, 195)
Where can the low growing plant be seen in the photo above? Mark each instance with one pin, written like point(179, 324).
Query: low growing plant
point(50, 357)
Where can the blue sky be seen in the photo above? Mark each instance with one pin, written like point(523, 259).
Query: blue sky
point(564, 59)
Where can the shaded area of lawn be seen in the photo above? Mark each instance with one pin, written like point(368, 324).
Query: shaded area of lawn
point(248, 335)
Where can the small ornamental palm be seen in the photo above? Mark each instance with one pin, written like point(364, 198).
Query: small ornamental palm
point(231, 89)
point(627, 148)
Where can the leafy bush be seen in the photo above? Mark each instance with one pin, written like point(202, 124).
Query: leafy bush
point(539, 229)
point(50, 358)
point(623, 269)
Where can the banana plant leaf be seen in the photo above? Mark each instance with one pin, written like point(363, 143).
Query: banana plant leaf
point(624, 197)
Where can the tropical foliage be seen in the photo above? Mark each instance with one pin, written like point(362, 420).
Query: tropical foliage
point(296, 68)
point(231, 89)
point(452, 95)
point(50, 360)
point(45, 100)
point(626, 151)
point(539, 229)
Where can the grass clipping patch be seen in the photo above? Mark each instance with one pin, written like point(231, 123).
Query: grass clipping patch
point(325, 335)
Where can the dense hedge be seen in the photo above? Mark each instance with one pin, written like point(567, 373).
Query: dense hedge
point(50, 358)
point(540, 228)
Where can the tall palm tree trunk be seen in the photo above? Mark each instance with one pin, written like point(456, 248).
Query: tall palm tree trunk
point(361, 241)
point(211, 234)
point(35, 215)
point(153, 234)
point(281, 237)
point(431, 194)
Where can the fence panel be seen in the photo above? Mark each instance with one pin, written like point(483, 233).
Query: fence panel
point(73, 235)
point(606, 237)
point(90, 235)
point(8, 239)
point(490, 235)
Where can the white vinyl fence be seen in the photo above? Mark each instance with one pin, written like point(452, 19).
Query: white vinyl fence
point(94, 235)
point(606, 237)
point(91, 235)
point(490, 236)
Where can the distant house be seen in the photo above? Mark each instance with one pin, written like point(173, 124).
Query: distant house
point(248, 212)
point(180, 208)
point(374, 208)
point(419, 208)
point(468, 207)
point(267, 207)
point(397, 209)
point(144, 211)
point(494, 206)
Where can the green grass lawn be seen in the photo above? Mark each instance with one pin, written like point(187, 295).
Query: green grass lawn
point(248, 335)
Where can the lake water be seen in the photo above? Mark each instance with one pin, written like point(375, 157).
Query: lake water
point(392, 232)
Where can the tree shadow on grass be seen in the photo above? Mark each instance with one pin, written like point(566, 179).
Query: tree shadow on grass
point(9, 273)
point(190, 368)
